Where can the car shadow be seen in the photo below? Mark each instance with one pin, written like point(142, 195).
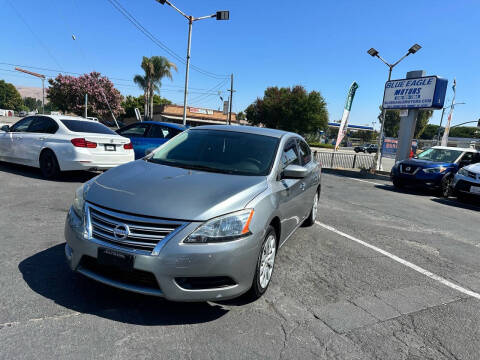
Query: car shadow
point(34, 173)
point(465, 204)
point(407, 190)
point(48, 274)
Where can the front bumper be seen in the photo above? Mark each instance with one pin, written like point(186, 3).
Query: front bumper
point(235, 260)
point(463, 184)
point(418, 178)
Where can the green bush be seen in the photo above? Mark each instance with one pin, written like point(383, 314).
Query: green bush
point(321, 145)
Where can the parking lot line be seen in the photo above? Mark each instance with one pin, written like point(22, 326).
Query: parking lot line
point(404, 262)
point(365, 181)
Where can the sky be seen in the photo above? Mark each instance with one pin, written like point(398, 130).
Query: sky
point(321, 45)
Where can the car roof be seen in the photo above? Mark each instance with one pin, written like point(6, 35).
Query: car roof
point(172, 125)
point(66, 117)
point(246, 129)
point(455, 148)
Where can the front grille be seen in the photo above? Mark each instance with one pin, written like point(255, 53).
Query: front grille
point(408, 169)
point(133, 277)
point(132, 232)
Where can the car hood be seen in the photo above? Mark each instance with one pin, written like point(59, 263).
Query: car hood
point(473, 168)
point(149, 189)
point(424, 164)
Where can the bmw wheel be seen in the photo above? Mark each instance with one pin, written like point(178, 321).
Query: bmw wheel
point(265, 264)
point(49, 164)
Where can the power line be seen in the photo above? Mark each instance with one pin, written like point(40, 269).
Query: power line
point(34, 34)
point(159, 43)
point(216, 87)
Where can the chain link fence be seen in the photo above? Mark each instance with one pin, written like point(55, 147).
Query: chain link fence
point(339, 160)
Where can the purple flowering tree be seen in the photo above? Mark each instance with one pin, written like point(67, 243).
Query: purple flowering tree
point(68, 94)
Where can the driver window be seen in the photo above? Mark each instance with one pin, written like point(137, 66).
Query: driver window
point(290, 154)
point(22, 125)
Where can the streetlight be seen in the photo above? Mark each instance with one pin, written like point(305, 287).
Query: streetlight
point(374, 53)
point(441, 119)
point(219, 15)
point(42, 77)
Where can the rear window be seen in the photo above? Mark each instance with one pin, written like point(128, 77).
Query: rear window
point(87, 126)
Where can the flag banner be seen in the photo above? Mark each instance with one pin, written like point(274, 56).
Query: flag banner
point(342, 131)
point(449, 119)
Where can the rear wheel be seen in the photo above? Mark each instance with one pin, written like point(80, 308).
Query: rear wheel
point(49, 165)
point(265, 264)
point(310, 220)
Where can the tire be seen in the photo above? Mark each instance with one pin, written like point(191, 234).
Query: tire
point(264, 268)
point(310, 220)
point(397, 183)
point(445, 186)
point(49, 165)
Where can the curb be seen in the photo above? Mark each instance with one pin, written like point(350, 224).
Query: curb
point(379, 175)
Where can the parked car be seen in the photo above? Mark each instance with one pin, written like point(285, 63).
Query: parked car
point(148, 135)
point(201, 218)
point(370, 148)
point(466, 183)
point(22, 113)
point(63, 143)
point(433, 168)
point(111, 123)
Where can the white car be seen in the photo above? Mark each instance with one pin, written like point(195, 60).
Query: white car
point(58, 143)
point(466, 182)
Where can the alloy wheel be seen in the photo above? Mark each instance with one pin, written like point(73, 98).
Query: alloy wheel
point(268, 260)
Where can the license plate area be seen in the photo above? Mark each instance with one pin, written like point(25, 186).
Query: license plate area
point(109, 147)
point(475, 189)
point(110, 257)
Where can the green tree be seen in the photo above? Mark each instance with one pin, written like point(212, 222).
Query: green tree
point(132, 102)
point(430, 132)
point(32, 103)
point(241, 115)
point(290, 109)
point(10, 98)
point(392, 122)
point(155, 69)
point(464, 132)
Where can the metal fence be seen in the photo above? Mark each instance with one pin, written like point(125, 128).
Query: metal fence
point(331, 159)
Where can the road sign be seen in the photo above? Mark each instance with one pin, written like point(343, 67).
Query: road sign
point(418, 93)
point(225, 107)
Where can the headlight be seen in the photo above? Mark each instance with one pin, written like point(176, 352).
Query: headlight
point(79, 198)
point(463, 172)
point(224, 228)
point(435, 170)
point(79, 201)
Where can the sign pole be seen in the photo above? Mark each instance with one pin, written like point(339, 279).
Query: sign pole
point(407, 125)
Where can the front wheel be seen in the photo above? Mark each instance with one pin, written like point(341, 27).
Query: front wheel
point(397, 183)
point(265, 264)
point(49, 165)
point(446, 186)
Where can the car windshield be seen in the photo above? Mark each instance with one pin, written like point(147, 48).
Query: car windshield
point(439, 155)
point(87, 126)
point(219, 151)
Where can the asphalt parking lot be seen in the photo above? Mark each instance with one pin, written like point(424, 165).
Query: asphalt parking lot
point(382, 275)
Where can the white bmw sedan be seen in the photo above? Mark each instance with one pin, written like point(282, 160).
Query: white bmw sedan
point(56, 143)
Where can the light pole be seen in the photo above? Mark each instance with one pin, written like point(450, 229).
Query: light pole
point(441, 119)
point(219, 15)
point(42, 77)
point(374, 53)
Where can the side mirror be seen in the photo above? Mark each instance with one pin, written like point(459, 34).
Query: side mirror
point(294, 172)
point(5, 128)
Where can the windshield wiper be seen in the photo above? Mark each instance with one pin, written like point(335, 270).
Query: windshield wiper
point(204, 168)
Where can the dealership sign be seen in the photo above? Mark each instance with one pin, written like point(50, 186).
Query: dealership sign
point(418, 93)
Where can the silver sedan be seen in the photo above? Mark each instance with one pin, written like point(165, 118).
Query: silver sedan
point(201, 218)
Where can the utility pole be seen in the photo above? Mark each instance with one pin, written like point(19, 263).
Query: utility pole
point(219, 15)
point(231, 100)
point(86, 104)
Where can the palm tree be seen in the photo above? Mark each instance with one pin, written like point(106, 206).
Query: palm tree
point(156, 68)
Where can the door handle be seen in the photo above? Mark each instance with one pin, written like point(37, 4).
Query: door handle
point(302, 186)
